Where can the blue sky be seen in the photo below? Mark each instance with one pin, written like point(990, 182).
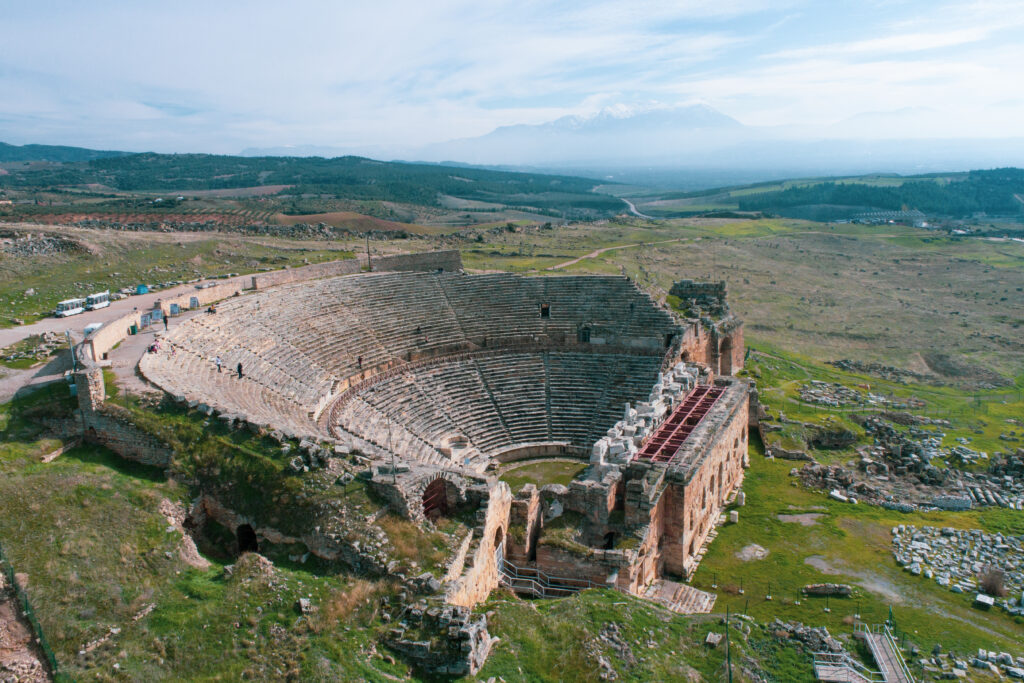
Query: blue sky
point(220, 77)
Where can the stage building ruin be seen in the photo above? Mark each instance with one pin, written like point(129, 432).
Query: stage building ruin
point(437, 377)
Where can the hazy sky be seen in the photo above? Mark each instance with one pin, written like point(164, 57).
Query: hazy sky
point(222, 76)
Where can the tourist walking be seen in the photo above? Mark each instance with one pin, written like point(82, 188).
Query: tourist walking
point(217, 361)
point(239, 371)
point(165, 323)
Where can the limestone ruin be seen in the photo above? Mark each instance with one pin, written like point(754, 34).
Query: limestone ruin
point(435, 377)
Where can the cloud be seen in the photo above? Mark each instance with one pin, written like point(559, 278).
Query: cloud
point(198, 76)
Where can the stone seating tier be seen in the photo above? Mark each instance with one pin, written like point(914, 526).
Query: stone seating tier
point(301, 344)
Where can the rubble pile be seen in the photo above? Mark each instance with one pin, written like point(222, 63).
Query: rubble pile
point(956, 557)
point(446, 640)
point(814, 639)
point(888, 372)
point(31, 244)
point(44, 346)
point(830, 394)
point(297, 231)
point(836, 395)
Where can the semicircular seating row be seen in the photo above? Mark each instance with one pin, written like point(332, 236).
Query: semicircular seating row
point(297, 342)
point(498, 402)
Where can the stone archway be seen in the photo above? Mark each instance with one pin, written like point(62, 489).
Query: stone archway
point(435, 499)
point(725, 357)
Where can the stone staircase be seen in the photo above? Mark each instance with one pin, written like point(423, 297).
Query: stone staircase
point(679, 597)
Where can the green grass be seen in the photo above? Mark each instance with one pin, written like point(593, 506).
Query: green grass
point(114, 261)
point(559, 640)
point(541, 473)
point(980, 416)
point(854, 541)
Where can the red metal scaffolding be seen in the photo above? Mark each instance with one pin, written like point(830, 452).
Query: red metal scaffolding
point(663, 445)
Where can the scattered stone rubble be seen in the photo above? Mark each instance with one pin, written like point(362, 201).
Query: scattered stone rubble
point(33, 244)
point(994, 662)
point(814, 639)
point(955, 558)
point(447, 640)
point(48, 344)
point(836, 395)
point(897, 471)
point(888, 372)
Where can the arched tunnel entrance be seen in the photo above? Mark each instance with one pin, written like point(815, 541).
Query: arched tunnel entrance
point(435, 500)
point(247, 541)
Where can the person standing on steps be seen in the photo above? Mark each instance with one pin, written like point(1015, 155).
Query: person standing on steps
point(239, 371)
point(217, 361)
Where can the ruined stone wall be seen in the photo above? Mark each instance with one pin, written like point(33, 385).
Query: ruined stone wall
point(730, 350)
point(481, 576)
point(206, 295)
point(327, 546)
point(111, 426)
point(312, 272)
point(449, 261)
point(696, 345)
point(720, 473)
point(403, 489)
point(90, 388)
point(111, 334)
point(525, 516)
point(540, 450)
point(690, 289)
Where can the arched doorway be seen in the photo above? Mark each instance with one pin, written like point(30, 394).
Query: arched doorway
point(725, 357)
point(247, 542)
point(435, 500)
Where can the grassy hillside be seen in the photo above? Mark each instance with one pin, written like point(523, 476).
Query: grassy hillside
point(57, 153)
point(956, 195)
point(352, 178)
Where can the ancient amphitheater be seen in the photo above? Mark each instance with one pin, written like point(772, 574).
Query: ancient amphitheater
point(464, 368)
point(433, 378)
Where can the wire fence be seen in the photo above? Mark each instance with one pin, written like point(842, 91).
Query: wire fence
point(29, 613)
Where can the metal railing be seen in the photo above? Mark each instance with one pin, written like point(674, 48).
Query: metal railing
point(29, 613)
point(540, 584)
point(884, 632)
point(844, 661)
point(887, 633)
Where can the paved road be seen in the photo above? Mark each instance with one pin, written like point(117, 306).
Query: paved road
point(12, 381)
point(633, 210)
point(116, 309)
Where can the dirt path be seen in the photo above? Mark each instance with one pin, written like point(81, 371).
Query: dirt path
point(19, 658)
point(598, 252)
point(13, 381)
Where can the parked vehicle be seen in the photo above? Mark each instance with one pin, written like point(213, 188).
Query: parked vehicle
point(70, 307)
point(98, 300)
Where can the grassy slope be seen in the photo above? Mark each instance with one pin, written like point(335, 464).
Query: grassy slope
point(854, 541)
point(127, 259)
point(540, 473)
point(887, 293)
point(86, 530)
